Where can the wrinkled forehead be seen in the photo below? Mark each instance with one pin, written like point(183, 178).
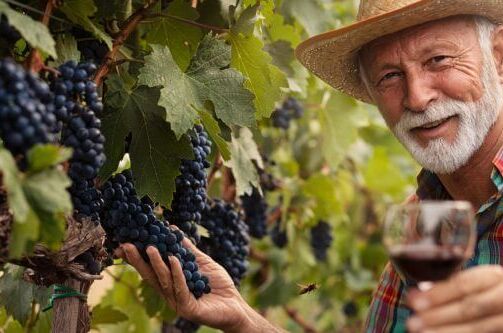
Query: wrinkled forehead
point(453, 30)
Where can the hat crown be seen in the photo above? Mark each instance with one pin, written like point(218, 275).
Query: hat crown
point(369, 8)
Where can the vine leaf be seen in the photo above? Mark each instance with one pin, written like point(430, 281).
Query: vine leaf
point(263, 79)
point(66, 47)
point(44, 156)
point(106, 315)
point(206, 79)
point(17, 295)
point(154, 151)
point(37, 199)
point(181, 38)
point(244, 151)
point(79, 11)
point(211, 126)
point(34, 32)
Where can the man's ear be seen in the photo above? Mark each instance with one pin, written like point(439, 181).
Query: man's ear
point(498, 50)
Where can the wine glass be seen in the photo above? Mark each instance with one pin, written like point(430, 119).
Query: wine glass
point(428, 241)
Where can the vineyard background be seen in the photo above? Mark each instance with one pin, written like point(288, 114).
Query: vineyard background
point(336, 163)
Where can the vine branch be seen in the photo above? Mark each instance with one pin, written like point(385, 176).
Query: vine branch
point(294, 315)
point(129, 26)
point(217, 164)
point(34, 61)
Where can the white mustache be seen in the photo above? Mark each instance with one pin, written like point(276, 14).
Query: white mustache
point(441, 110)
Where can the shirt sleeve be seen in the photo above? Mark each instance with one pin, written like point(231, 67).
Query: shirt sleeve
point(388, 312)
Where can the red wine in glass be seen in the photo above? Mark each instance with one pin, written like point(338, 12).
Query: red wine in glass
point(426, 262)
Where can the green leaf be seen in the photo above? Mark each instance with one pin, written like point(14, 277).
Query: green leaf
point(211, 126)
point(124, 296)
point(246, 22)
point(23, 235)
point(66, 47)
point(382, 175)
point(324, 190)
point(263, 79)
point(310, 14)
point(243, 152)
point(44, 156)
point(12, 181)
point(340, 120)
point(106, 315)
point(155, 152)
point(34, 32)
point(16, 294)
point(181, 38)
point(46, 190)
point(155, 304)
point(206, 79)
point(79, 12)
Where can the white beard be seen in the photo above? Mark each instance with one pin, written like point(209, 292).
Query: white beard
point(475, 120)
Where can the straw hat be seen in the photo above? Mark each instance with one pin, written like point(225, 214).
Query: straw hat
point(333, 55)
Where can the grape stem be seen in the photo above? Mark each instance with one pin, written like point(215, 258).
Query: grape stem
point(228, 186)
point(128, 27)
point(294, 315)
point(193, 23)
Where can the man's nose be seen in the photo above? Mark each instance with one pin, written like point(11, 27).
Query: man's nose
point(419, 93)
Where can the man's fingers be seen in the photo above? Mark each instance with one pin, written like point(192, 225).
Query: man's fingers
point(134, 258)
point(461, 285)
point(164, 276)
point(485, 304)
point(119, 253)
point(182, 291)
point(487, 325)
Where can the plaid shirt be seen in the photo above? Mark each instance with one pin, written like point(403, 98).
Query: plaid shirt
point(388, 311)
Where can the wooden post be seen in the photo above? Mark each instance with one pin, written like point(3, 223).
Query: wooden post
point(71, 314)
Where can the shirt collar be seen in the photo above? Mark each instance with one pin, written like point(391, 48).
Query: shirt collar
point(430, 187)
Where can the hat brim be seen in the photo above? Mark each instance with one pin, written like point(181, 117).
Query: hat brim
point(332, 56)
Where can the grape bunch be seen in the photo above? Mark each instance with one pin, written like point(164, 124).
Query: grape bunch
point(291, 109)
point(75, 86)
point(190, 194)
point(7, 32)
point(255, 209)
point(279, 236)
point(321, 240)
point(126, 219)
point(228, 242)
point(77, 103)
point(26, 109)
point(186, 326)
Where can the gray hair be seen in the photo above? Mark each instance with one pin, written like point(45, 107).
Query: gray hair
point(484, 28)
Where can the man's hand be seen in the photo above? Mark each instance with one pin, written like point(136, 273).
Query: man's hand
point(471, 301)
point(223, 308)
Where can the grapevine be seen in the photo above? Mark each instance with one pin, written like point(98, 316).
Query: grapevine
point(255, 208)
point(289, 110)
point(321, 240)
point(127, 219)
point(228, 238)
point(26, 110)
point(77, 105)
point(190, 195)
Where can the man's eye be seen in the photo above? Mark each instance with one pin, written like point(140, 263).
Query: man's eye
point(438, 59)
point(389, 76)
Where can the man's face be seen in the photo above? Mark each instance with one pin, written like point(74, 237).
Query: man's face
point(429, 84)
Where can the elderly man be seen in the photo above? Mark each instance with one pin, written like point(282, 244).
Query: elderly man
point(434, 69)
